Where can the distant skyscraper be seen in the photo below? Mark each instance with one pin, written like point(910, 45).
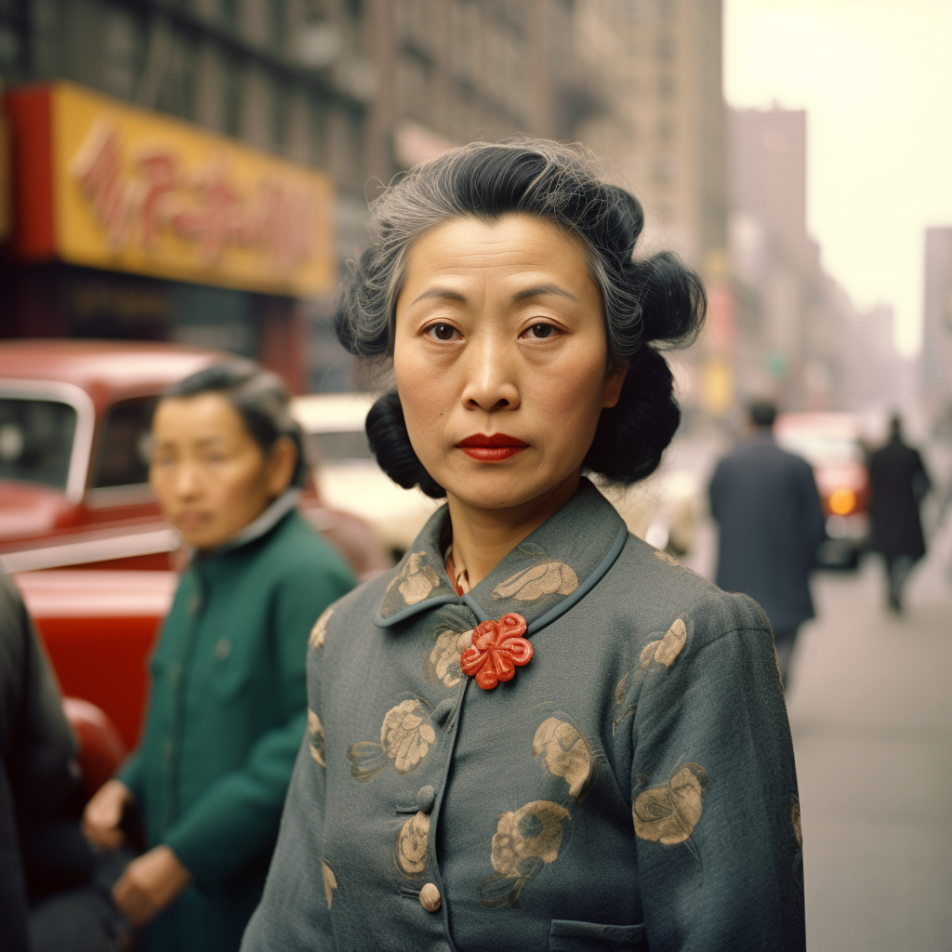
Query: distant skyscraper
point(937, 330)
point(651, 107)
point(768, 171)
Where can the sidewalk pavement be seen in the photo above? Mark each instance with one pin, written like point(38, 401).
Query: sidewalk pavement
point(870, 705)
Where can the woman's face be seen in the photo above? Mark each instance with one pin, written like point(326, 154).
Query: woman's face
point(209, 474)
point(501, 359)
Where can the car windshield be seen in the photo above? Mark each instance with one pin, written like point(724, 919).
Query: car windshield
point(822, 448)
point(36, 439)
point(338, 446)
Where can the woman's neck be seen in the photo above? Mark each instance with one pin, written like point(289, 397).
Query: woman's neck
point(482, 538)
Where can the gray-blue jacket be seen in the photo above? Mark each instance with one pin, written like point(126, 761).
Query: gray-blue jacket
point(631, 787)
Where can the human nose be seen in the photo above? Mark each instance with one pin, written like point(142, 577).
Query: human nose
point(491, 375)
point(187, 480)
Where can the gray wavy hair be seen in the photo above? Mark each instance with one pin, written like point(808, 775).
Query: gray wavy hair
point(530, 176)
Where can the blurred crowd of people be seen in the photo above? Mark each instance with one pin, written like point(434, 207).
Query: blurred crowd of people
point(771, 522)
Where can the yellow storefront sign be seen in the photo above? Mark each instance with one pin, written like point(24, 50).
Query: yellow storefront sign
point(148, 194)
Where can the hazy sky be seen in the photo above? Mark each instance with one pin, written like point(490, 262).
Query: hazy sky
point(875, 77)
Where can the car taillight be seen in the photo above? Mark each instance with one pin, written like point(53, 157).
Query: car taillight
point(842, 501)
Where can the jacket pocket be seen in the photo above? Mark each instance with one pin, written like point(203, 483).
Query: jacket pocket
point(566, 935)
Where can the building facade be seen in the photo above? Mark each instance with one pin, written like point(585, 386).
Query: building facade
point(800, 338)
point(936, 360)
point(647, 101)
point(360, 90)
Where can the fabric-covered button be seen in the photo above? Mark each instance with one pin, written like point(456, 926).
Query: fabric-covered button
point(425, 799)
point(195, 604)
point(222, 649)
point(430, 898)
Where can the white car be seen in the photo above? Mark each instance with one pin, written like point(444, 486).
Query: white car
point(347, 475)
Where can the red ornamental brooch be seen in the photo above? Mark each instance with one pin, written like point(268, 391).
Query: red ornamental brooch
point(497, 651)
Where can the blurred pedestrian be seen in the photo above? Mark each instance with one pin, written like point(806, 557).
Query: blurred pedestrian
point(228, 702)
point(898, 484)
point(771, 523)
point(40, 786)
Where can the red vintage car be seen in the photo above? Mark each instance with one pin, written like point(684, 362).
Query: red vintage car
point(77, 513)
point(73, 473)
point(74, 419)
point(98, 628)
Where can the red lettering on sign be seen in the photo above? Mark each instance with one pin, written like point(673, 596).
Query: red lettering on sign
point(279, 216)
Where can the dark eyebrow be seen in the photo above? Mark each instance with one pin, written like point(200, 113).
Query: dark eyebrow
point(443, 293)
point(447, 295)
point(544, 289)
point(207, 441)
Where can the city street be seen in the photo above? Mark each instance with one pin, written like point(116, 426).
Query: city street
point(870, 707)
point(871, 713)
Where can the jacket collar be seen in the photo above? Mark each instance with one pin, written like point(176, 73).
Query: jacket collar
point(541, 578)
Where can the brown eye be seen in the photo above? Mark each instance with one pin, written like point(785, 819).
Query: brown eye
point(443, 332)
point(540, 331)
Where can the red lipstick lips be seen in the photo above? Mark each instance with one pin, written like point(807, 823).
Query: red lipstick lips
point(491, 449)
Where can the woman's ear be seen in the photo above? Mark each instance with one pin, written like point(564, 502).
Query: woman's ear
point(614, 380)
point(280, 466)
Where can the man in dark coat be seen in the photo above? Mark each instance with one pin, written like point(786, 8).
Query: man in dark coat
point(898, 481)
point(39, 780)
point(771, 522)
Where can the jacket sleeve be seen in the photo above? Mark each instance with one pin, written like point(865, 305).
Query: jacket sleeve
point(714, 793)
point(131, 773)
point(294, 913)
point(249, 800)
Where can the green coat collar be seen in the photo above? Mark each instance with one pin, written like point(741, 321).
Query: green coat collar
point(541, 578)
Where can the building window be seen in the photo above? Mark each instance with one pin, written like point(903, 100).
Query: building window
point(122, 47)
point(232, 98)
point(229, 12)
point(666, 88)
point(413, 80)
point(210, 84)
point(178, 87)
point(666, 130)
point(635, 11)
point(663, 170)
point(279, 23)
point(9, 50)
point(281, 116)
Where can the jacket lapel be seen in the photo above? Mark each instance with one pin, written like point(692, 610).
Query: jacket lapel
point(541, 578)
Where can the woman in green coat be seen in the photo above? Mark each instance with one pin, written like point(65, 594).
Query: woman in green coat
point(228, 704)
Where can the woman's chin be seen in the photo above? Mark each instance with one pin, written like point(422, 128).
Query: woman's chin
point(204, 541)
point(495, 494)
